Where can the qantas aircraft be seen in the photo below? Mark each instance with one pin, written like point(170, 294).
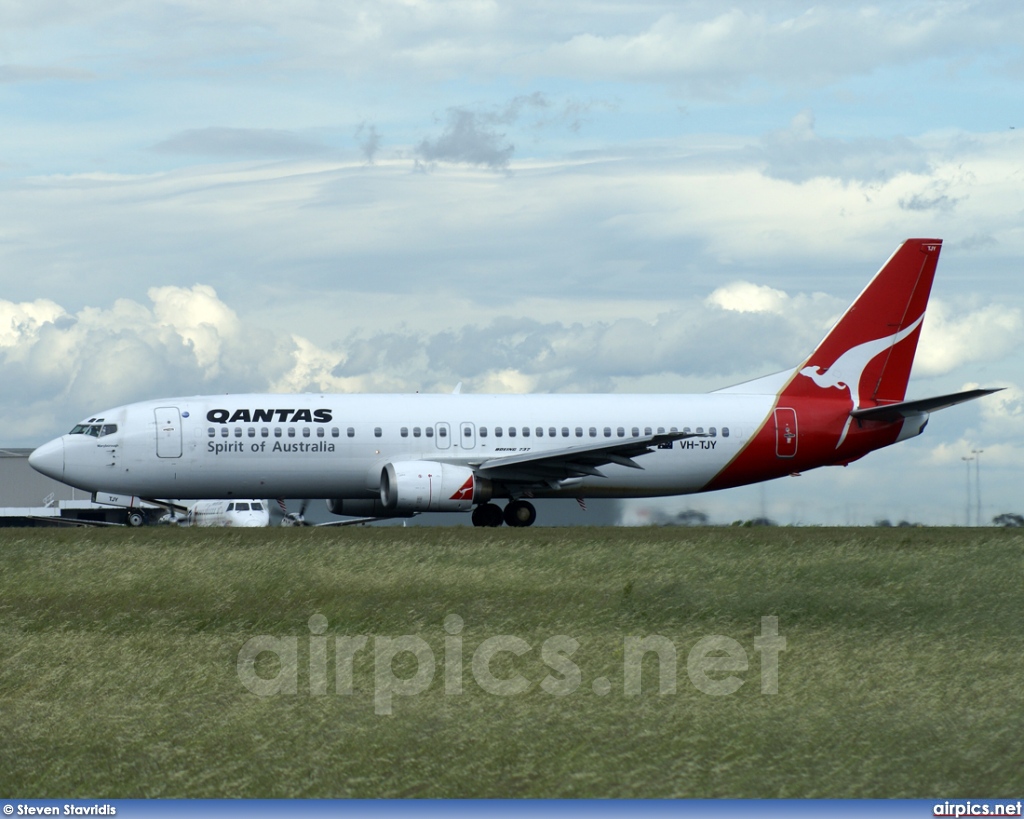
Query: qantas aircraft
point(398, 455)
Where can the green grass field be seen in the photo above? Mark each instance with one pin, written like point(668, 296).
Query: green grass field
point(901, 676)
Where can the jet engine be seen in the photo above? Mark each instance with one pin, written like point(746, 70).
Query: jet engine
point(430, 486)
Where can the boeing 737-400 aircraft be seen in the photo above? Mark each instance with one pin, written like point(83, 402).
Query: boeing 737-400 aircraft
point(397, 455)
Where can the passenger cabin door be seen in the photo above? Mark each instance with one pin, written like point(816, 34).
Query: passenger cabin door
point(168, 432)
point(785, 432)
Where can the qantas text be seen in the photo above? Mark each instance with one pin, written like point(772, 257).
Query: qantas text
point(267, 416)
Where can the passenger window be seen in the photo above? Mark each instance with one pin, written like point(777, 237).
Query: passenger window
point(483, 432)
point(211, 431)
point(442, 432)
point(593, 432)
point(264, 432)
point(526, 432)
point(620, 432)
point(291, 432)
point(579, 432)
point(725, 432)
point(498, 432)
point(661, 430)
point(351, 432)
point(305, 432)
point(607, 432)
point(686, 430)
point(647, 430)
point(335, 432)
point(551, 432)
point(417, 432)
point(377, 432)
point(511, 432)
point(252, 432)
point(636, 432)
point(277, 432)
point(565, 432)
point(238, 432)
point(700, 430)
point(224, 432)
point(712, 432)
point(467, 433)
point(319, 432)
point(429, 431)
point(404, 432)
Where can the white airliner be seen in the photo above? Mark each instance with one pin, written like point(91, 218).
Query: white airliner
point(397, 455)
point(247, 513)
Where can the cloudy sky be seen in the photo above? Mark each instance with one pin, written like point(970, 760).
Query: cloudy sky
point(386, 196)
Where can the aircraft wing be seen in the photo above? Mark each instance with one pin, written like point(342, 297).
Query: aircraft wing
point(354, 521)
point(71, 521)
point(551, 466)
point(172, 508)
point(893, 412)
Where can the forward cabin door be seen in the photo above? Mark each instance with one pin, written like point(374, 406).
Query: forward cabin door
point(168, 432)
point(785, 432)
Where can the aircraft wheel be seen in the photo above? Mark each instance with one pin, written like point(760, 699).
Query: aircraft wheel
point(520, 513)
point(487, 514)
point(136, 519)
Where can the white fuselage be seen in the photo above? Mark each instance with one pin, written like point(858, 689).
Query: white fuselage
point(335, 446)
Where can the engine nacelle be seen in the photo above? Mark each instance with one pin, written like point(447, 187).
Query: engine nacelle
point(430, 486)
point(359, 508)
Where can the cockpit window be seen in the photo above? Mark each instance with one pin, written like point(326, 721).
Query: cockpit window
point(95, 430)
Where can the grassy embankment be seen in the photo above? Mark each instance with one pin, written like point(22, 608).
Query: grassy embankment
point(901, 674)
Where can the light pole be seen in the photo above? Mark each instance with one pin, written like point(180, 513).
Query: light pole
point(967, 507)
point(977, 483)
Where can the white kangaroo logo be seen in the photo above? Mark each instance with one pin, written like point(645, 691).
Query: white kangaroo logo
point(847, 370)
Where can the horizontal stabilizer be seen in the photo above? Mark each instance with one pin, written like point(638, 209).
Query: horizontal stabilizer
point(893, 412)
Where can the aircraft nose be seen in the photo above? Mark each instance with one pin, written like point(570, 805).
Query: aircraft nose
point(49, 459)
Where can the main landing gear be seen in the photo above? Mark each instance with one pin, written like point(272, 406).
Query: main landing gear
point(516, 513)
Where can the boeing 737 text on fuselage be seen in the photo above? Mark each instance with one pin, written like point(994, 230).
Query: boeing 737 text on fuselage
point(386, 456)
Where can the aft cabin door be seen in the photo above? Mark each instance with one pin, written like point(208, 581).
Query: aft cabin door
point(168, 432)
point(785, 432)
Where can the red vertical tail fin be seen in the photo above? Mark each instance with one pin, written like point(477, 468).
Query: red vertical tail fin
point(870, 350)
